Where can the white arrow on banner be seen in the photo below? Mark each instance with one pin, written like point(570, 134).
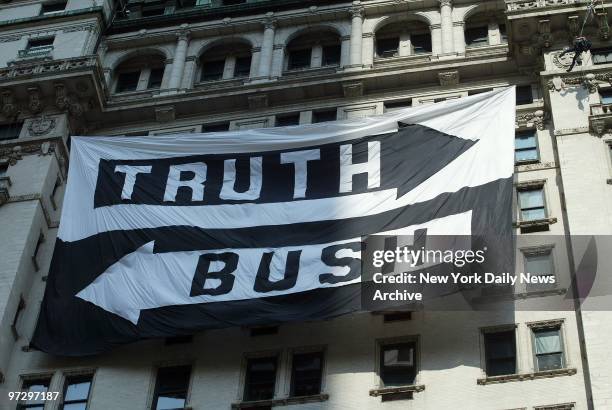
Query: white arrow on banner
point(146, 280)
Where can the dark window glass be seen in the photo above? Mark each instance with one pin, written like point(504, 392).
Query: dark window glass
point(324, 116)
point(299, 58)
point(396, 105)
point(503, 33)
point(35, 385)
point(242, 67)
point(477, 36)
point(49, 8)
point(602, 55)
point(526, 147)
point(220, 127)
point(540, 264)
point(155, 11)
point(524, 95)
point(233, 2)
point(306, 374)
point(531, 203)
point(260, 378)
point(331, 55)
point(76, 392)
point(606, 96)
point(213, 70)
point(500, 353)
point(287, 119)
point(421, 43)
point(484, 90)
point(36, 43)
point(155, 79)
point(171, 387)
point(548, 349)
point(128, 81)
point(387, 47)
point(10, 131)
point(398, 364)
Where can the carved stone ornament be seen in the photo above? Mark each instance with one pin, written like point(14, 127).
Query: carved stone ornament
point(61, 101)
point(562, 62)
point(531, 119)
point(588, 81)
point(14, 153)
point(604, 28)
point(599, 126)
point(353, 89)
point(448, 78)
point(41, 126)
point(35, 103)
point(9, 108)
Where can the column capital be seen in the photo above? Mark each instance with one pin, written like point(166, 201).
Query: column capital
point(356, 11)
point(270, 24)
point(183, 35)
point(445, 3)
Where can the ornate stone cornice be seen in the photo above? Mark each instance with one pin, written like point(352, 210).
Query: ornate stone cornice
point(530, 119)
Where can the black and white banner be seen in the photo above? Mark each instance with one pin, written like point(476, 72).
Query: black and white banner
point(168, 235)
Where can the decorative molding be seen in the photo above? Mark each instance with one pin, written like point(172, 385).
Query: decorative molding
point(10, 38)
point(353, 89)
point(257, 101)
point(35, 103)
point(530, 119)
point(538, 166)
point(14, 153)
point(41, 126)
point(542, 324)
point(165, 114)
point(357, 12)
point(416, 388)
point(534, 223)
point(523, 5)
point(562, 406)
point(569, 131)
point(80, 27)
point(526, 376)
point(9, 107)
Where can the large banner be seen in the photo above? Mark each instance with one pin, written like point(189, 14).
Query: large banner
point(167, 235)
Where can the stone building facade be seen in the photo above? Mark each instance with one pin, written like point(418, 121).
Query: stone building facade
point(149, 67)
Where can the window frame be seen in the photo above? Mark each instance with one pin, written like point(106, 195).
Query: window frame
point(277, 355)
point(155, 377)
point(123, 73)
point(484, 331)
point(17, 126)
point(473, 44)
point(32, 378)
point(290, 58)
point(536, 251)
point(536, 147)
point(324, 111)
point(381, 343)
point(595, 52)
point(52, 3)
point(532, 186)
point(548, 325)
point(86, 373)
point(322, 351)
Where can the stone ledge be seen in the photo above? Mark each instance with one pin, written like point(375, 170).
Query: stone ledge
point(534, 223)
point(281, 402)
point(413, 388)
point(527, 376)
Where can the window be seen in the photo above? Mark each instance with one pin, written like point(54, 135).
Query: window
point(128, 81)
point(212, 70)
point(285, 120)
point(477, 36)
point(40, 44)
point(539, 263)
point(260, 379)
point(398, 364)
point(531, 203)
point(76, 392)
point(526, 147)
point(421, 43)
point(524, 94)
point(606, 96)
point(331, 55)
point(548, 348)
point(503, 33)
point(20, 308)
point(500, 352)
point(242, 67)
point(233, 2)
point(155, 78)
point(10, 131)
point(387, 47)
point(397, 105)
point(299, 59)
point(51, 8)
point(171, 387)
point(602, 56)
point(220, 127)
point(324, 115)
point(34, 385)
point(306, 374)
point(153, 11)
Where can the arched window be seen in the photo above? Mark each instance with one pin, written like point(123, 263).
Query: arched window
point(312, 50)
point(403, 38)
point(143, 72)
point(226, 61)
point(482, 30)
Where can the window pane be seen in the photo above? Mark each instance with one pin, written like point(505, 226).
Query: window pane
point(155, 79)
point(477, 36)
point(601, 56)
point(387, 47)
point(171, 387)
point(421, 43)
point(331, 55)
point(606, 97)
point(41, 385)
point(500, 353)
point(170, 403)
point(539, 264)
point(397, 364)
point(75, 406)
point(531, 199)
point(10, 131)
point(212, 70)
point(524, 95)
point(128, 81)
point(550, 362)
point(547, 341)
point(260, 379)
point(77, 388)
point(324, 116)
point(525, 140)
point(533, 214)
point(286, 120)
point(243, 67)
point(307, 370)
point(299, 58)
point(526, 155)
